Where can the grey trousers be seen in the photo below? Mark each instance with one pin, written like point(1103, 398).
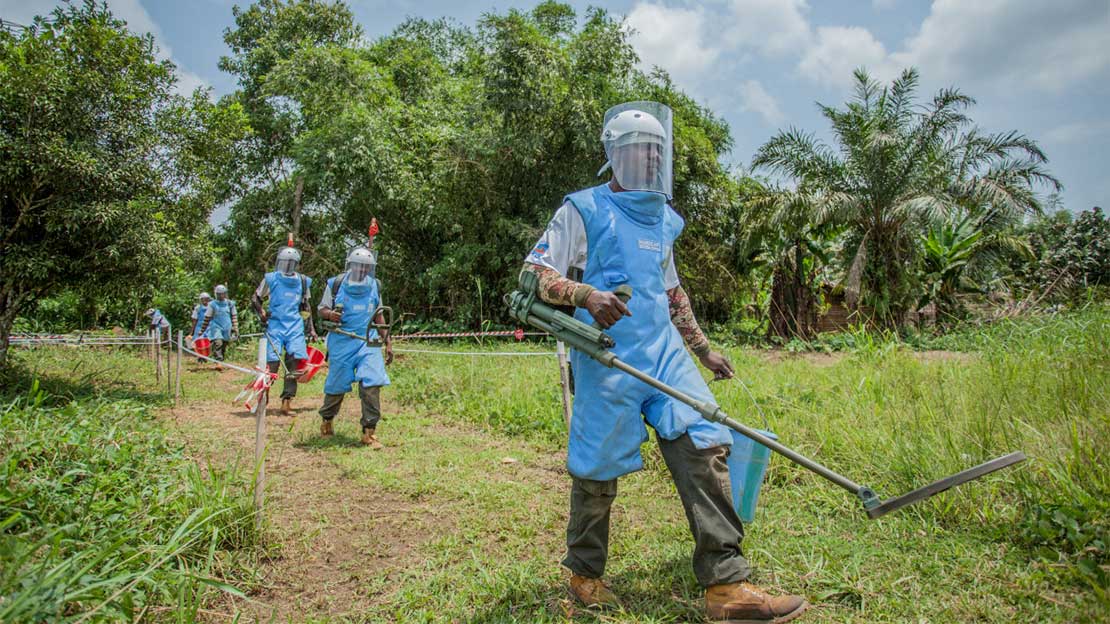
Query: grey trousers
point(370, 397)
point(289, 382)
point(701, 477)
point(218, 349)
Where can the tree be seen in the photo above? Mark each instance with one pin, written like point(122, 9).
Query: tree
point(461, 141)
point(79, 96)
point(898, 167)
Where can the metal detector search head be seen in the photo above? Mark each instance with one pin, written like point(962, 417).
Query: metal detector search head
point(881, 508)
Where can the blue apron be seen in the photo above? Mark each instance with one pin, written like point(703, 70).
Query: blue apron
point(219, 328)
point(351, 359)
point(627, 234)
point(199, 312)
point(285, 328)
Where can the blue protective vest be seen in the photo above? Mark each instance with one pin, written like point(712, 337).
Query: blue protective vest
point(199, 312)
point(627, 234)
point(219, 328)
point(351, 359)
point(286, 294)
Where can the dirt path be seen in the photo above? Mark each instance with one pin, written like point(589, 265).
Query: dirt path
point(332, 537)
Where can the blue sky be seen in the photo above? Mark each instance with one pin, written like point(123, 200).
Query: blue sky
point(1037, 66)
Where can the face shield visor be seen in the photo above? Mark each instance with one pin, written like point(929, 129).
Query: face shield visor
point(637, 137)
point(360, 265)
point(288, 260)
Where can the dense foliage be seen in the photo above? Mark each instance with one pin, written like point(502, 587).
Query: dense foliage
point(105, 176)
point(461, 141)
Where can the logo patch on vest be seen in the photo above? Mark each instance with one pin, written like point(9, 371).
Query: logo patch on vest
point(359, 307)
point(540, 250)
point(650, 245)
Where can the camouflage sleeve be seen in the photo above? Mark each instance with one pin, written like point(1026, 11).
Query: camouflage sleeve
point(682, 315)
point(558, 290)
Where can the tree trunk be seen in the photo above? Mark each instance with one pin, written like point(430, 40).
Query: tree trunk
point(298, 196)
point(11, 302)
point(852, 284)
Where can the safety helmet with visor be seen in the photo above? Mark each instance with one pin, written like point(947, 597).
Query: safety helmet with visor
point(221, 292)
point(361, 263)
point(637, 137)
point(288, 260)
point(205, 297)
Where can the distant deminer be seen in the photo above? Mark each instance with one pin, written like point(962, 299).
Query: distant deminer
point(198, 318)
point(159, 323)
point(349, 306)
point(285, 319)
point(621, 234)
point(221, 323)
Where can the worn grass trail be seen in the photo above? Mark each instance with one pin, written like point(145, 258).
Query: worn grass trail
point(462, 522)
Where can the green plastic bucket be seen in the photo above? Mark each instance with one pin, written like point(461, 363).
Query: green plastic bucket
point(747, 465)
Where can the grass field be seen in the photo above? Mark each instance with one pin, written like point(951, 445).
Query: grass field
point(474, 465)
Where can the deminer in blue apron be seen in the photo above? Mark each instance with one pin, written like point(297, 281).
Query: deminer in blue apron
point(159, 324)
point(349, 302)
point(285, 318)
point(221, 323)
point(623, 232)
point(197, 317)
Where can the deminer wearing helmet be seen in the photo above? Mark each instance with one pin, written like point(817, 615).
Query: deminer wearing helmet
point(351, 301)
point(282, 304)
point(619, 233)
point(221, 323)
point(197, 317)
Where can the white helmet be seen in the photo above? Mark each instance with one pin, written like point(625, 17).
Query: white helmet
point(149, 312)
point(360, 264)
point(288, 259)
point(204, 297)
point(637, 139)
point(221, 290)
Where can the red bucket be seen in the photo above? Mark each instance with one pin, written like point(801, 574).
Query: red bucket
point(202, 346)
point(306, 369)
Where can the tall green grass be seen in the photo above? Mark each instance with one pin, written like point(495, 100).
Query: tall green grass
point(104, 518)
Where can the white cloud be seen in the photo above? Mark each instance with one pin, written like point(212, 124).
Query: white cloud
point(132, 11)
point(1029, 44)
point(1078, 131)
point(671, 38)
point(838, 50)
point(774, 27)
point(754, 98)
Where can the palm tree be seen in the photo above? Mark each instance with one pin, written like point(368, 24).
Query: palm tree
point(898, 167)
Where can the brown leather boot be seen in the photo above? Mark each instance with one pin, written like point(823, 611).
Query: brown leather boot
point(286, 406)
point(371, 440)
point(744, 603)
point(326, 429)
point(593, 593)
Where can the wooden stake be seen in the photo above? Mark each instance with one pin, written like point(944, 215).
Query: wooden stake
point(260, 440)
point(180, 345)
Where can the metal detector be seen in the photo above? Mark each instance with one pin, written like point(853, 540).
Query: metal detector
point(387, 316)
point(525, 306)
